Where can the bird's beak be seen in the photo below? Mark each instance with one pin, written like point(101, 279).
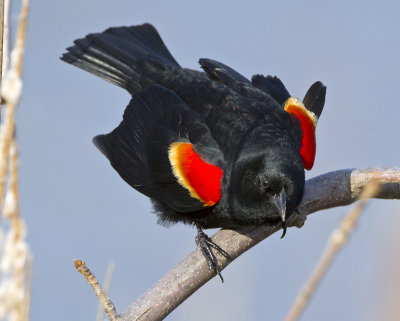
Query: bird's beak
point(279, 202)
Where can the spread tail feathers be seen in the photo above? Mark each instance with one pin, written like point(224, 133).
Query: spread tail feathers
point(133, 58)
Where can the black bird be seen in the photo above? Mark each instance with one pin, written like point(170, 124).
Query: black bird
point(211, 148)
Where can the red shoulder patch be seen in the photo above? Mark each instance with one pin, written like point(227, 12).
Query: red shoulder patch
point(200, 178)
point(308, 121)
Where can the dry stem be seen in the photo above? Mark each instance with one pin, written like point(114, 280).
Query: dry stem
point(108, 306)
point(106, 287)
point(11, 92)
point(1, 46)
point(15, 261)
point(336, 241)
point(6, 36)
point(28, 288)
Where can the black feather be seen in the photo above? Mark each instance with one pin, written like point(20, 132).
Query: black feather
point(138, 147)
point(222, 73)
point(125, 56)
point(273, 86)
point(219, 71)
point(314, 99)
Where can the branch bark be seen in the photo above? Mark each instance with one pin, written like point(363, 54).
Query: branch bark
point(105, 301)
point(333, 189)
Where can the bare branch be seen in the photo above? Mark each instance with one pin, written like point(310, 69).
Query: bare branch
point(343, 187)
point(28, 287)
point(6, 36)
point(332, 189)
point(11, 92)
point(106, 287)
point(108, 306)
point(336, 241)
point(1, 45)
point(16, 259)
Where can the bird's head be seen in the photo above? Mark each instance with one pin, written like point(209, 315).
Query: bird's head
point(266, 184)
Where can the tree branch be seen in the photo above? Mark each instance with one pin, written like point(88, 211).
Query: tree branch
point(105, 301)
point(333, 189)
point(11, 92)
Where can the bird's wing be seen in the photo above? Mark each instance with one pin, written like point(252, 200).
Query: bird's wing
point(305, 114)
point(272, 86)
point(314, 99)
point(130, 57)
point(308, 112)
point(163, 149)
point(136, 58)
point(222, 73)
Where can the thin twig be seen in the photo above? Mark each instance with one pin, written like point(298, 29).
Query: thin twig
point(108, 306)
point(11, 211)
point(6, 37)
point(1, 47)
point(332, 189)
point(20, 39)
point(16, 258)
point(28, 288)
point(106, 288)
point(336, 241)
point(16, 255)
point(18, 252)
point(11, 91)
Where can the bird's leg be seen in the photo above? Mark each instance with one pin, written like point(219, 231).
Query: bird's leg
point(205, 244)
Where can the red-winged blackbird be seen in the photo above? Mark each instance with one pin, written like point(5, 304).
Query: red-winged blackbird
point(209, 148)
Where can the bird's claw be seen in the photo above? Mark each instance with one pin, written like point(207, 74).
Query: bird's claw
point(205, 244)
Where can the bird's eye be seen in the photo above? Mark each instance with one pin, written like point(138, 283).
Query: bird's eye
point(265, 184)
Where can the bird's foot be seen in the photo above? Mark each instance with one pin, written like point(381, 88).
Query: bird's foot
point(205, 244)
point(298, 219)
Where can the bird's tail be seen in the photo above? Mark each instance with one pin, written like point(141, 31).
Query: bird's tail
point(130, 57)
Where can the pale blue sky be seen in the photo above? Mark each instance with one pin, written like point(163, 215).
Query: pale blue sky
point(76, 206)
